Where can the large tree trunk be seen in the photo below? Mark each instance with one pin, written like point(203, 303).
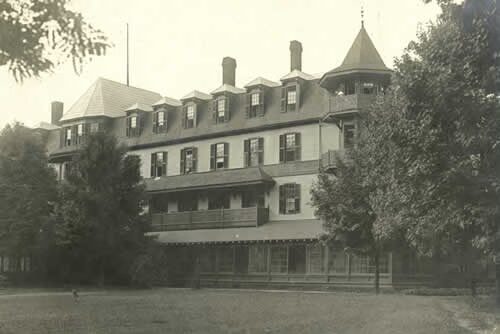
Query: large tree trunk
point(377, 271)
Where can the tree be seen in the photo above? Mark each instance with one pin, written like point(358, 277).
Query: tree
point(343, 202)
point(430, 150)
point(27, 190)
point(100, 226)
point(36, 35)
point(444, 135)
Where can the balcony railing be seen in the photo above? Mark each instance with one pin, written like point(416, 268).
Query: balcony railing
point(354, 102)
point(329, 160)
point(207, 219)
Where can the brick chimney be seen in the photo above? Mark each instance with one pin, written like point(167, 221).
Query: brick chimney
point(56, 109)
point(295, 56)
point(229, 71)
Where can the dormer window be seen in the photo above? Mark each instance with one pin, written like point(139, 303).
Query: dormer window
point(133, 126)
point(221, 109)
point(255, 103)
point(255, 100)
point(189, 116)
point(290, 97)
point(160, 121)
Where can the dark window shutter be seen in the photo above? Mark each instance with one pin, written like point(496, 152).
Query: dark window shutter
point(195, 158)
point(153, 164)
point(298, 149)
point(128, 126)
point(297, 197)
point(165, 163)
point(248, 104)
point(262, 103)
point(86, 129)
point(282, 148)
point(184, 116)
point(195, 118)
point(226, 155)
point(283, 99)
point(282, 204)
point(213, 149)
point(297, 94)
point(74, 135)
point(155, 122)
point(261, 150)
point(140, 121)
point(183, 161)
point(227, 110)
point(62, 137)
point(212, 109)
point(246, 152)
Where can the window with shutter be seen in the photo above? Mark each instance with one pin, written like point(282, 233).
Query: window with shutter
point(255, 103)
point(254, 152)
point(190, 116)
point(134, 125)
point(290, 149)
point(158, 164)
point(290, 97)
point(189, 161)
point(289, 198)
point(67, 136)
point(219, 156)
point(160, 121)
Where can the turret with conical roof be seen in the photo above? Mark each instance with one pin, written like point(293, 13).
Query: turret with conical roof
point(355, 83)
point(362, 61)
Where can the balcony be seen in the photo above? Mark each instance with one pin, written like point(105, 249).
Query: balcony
point(329, 159)
point(209, 219)
point(346, 104)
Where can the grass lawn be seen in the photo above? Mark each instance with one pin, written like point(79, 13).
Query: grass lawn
point(229, 311)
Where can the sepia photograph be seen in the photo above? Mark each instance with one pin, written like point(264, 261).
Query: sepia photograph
point(248, 167)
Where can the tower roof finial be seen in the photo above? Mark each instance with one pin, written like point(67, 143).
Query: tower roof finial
point(362, 17)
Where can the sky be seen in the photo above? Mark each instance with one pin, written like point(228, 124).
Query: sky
point(177, 46)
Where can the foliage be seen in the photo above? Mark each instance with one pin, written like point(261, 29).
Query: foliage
point(36, 35)
point(343, 202)
point(432, 146)
point(100, 226)
point(149, 267)
point(27, 190)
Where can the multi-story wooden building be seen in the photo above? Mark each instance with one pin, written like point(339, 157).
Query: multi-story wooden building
point(229, 173)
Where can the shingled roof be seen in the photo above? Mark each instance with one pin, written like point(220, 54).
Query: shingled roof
point(108, 98)
point(362, 56)
point(214, 179)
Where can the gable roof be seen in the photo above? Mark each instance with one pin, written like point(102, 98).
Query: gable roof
point(169, 101)
point(140, 106)
point(297, 74)
point(262, 81)
point(108, 98)
point(228, 88)
point(196, 94)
